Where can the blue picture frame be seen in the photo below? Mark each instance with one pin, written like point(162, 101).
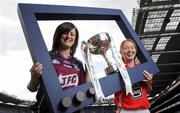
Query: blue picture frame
point(29, 14)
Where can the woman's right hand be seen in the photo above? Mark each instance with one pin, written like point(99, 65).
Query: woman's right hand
point(36, 72)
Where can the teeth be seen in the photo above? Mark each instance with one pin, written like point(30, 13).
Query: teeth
point(130, 54)
point(68, 39)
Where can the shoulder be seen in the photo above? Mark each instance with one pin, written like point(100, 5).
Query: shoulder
point(78, 63)
point(77, 60)
point(53, 52)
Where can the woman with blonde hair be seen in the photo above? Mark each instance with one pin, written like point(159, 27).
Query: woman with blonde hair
point(138, 102)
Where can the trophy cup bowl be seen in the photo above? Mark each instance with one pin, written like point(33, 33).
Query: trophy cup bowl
point(99, 44)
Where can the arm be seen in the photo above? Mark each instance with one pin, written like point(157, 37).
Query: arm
point(36, 72)
point(87, 76)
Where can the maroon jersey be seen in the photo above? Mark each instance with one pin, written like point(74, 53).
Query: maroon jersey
point(70, 73)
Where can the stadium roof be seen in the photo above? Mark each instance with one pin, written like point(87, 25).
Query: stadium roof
point(157, 22)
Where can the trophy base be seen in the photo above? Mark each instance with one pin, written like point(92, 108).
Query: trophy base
point(111, 69)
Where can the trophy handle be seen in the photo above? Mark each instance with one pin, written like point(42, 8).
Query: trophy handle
point(107, 60)
point(94, 80)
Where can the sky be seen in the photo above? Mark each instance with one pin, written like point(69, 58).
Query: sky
point(15, 59)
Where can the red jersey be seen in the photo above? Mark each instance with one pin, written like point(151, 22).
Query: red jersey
point(138, 100)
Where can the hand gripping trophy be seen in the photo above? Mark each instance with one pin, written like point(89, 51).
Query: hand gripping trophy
point(102, 44)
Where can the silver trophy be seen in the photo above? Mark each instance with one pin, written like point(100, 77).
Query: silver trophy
point(99, 44)
point(103, 45)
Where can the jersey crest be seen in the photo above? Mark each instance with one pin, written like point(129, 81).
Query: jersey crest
point(68, 80)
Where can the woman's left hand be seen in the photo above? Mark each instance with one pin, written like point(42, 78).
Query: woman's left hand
point(148, 76)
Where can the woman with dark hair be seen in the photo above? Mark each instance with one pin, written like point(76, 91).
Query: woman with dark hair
point(64, 45)
point(61, 30)
point(138, 102)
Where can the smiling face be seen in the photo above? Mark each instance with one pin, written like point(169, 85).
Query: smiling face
point(128, 50)
point(68, 38)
